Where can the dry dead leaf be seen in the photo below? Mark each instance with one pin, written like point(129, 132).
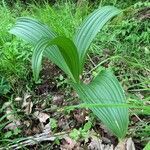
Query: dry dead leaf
point(28, 108)
point(36, 130)
point(130, 144)
point(26, 96)
point(6, 104)
point(10, 115)
point(27, 123)
point(27, 104)
point(68, 144)
point(74, 94)
point(13, 125)
point(43, 105)
point(28, 132)
point(9, 111)
point(41, 116)
point(96, 144)
point(18, 99)
point(103, 127)
point(58, 100)
point(87, 80)
point(47, 128)
point(63, 123)
point(106, 140)
point(80, 115)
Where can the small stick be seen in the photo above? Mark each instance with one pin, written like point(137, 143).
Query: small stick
point(32, 140)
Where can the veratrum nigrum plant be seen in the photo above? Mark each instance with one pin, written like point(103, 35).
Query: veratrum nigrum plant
point(70, 55)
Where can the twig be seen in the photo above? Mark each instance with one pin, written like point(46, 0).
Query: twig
point(91, 60)
point(138, 117)
point(32, 140)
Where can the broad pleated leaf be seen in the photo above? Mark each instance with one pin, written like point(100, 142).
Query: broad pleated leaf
point(32, 31)
point(105, 89)
point(90, 27)
point(67, 50)
point(69, 53)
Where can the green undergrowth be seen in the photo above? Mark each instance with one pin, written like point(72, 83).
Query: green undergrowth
point(15, 55)
point(124, 46)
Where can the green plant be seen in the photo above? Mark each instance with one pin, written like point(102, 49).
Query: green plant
point(81, 132)
point(147, 147)
point(4, 86)
point(70, 56)
point(53, 123)
point(14, 132)
point(14, 55)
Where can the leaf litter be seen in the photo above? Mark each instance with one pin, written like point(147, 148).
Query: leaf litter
point(39, 127)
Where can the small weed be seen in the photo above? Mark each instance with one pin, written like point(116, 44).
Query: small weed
point(12, 134)
point(4, 86)
point(53, 123)
point(81, 132)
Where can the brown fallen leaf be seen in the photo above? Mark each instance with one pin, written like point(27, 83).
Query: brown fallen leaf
point(47, 128)
point(58, 100)
point(68, 144)
point(63, 123)
point(28, 132)
point(96, 144)
point(36, 130)
point(87, 80)
point(27, 104)
point(18, 99)
point(41, 116)
point(43, 105)
point(32, 127)
point(28, 108)
point(11, 117)
point(74, 94)
point(105, 130)
point(8, 110)
point(10, 114)
point(13, 125)
point(27, 123)
point(80, 115)
point(130, 144)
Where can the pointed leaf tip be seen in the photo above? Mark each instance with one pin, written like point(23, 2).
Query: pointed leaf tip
point(105, 89)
